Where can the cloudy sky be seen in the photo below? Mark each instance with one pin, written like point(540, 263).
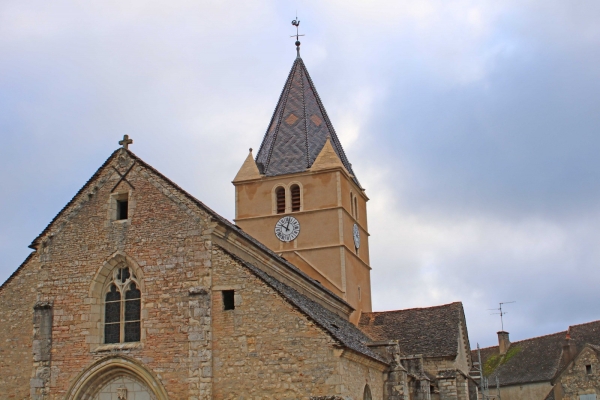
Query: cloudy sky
point(472, 124)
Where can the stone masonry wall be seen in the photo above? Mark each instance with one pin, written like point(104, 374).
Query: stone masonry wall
point(266, 349)
point(433, 365)
point(17, 298)
point(577, 381)
point(448, 389)
point(169, 238)
point(355, 375)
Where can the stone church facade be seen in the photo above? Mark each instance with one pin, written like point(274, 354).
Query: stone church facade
point(137, 290)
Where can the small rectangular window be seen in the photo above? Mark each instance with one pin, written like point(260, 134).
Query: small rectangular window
point(122, 208)
point(228, 300)
point(588, 369)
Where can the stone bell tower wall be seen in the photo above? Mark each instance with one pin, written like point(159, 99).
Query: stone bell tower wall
point(331, 203)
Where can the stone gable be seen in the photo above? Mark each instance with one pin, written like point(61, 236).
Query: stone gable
point(166, 237)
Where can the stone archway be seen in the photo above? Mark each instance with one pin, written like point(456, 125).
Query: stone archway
point(116, 377)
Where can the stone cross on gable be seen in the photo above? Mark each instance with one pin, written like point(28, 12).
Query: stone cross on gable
point(125, 142)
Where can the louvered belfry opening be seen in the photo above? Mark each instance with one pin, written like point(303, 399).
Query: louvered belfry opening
point(295, 189)
point(280, 193)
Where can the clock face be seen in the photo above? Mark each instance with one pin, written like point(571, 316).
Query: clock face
point(356, 234)
point(287, 229)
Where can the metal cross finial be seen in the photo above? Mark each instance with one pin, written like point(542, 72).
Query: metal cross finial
point(125, 142)
point(296, 23)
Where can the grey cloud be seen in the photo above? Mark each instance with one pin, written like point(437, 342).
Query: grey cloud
point(472, 126)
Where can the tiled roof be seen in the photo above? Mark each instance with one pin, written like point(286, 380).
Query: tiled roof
point(432, 331)
point(298, 129)
point(537, 359)
point(339, 328)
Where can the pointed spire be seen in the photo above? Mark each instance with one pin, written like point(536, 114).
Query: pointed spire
point(298, 129)
point(248, 170)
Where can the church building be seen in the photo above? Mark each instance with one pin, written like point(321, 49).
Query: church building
point(137, 290)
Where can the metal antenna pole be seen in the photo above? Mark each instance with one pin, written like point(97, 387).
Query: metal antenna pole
point(501, 312)
point(498, 387)
point(481, 378)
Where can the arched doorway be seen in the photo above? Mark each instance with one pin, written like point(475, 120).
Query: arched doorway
point(116, 378)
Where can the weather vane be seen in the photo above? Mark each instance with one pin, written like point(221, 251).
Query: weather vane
point(296, 23)
point(501, 313)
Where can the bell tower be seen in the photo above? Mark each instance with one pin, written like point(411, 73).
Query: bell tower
point(301, 198)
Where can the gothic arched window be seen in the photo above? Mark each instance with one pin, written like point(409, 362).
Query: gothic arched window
point(122, 308)
point(295, 191)
point(280, 199)
point(367, 393)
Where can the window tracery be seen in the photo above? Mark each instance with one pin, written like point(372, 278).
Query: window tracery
point(122, 307)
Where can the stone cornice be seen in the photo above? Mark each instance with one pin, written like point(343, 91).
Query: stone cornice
point(308, 172)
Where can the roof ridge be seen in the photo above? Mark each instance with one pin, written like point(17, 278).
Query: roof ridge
point(584, 323)
point(563, 333)
point(414, 308)
point(334, 138)
point(524, 340)
point(286, 89)
point(303, 71)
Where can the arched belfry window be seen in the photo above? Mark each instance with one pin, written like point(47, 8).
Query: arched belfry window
point(122, 307)
point(367, 393)
point(280, 199)
point(296, 198)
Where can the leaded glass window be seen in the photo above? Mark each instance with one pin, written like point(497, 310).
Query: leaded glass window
point(122, 308)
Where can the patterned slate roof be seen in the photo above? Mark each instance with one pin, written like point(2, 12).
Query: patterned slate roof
point(432, 331)
point(339, 328)
point(537, 359)
point(298, 129)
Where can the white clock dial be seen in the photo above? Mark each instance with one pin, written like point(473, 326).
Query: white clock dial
point(356, 234)
point(287, 229)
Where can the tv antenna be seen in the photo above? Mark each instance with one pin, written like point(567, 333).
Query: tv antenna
point(501, 312)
